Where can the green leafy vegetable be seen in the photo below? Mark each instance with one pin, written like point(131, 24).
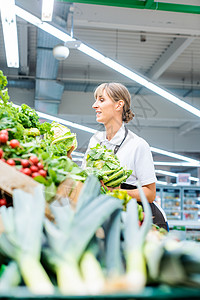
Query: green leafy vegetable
point(105, 164)
point(62, 134)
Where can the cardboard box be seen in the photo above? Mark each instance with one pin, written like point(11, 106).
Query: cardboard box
point(11, 178)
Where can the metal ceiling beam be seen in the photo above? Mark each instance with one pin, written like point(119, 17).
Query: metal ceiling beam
point(148, 4)
point(169, 56)
point(185, 128)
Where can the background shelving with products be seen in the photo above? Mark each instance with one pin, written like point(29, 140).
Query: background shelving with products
point(182, 207)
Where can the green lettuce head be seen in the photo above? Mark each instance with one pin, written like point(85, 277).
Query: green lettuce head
point(62, 134)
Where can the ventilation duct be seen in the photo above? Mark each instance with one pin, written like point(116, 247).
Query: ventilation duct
point(48, 92)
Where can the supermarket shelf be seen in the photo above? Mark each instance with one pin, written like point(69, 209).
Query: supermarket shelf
point(188, 224)
point(160, 292)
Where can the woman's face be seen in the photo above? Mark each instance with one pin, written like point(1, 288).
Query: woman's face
point(105, 108)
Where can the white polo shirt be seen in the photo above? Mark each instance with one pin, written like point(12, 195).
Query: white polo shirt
point(134, 153)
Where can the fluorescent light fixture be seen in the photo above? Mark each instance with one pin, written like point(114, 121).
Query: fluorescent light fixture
point(194, 179)
point(61, 35)
point(160, 91)
point(177, 164)
point(91, 52)
point(8, 19)
point(124, 71)
point(166, 173)
point(174, 155)
point(47, 10)
point(161, 182)
point(107, 61)
point(62, 121)
point(172, 174)
point(65, 122)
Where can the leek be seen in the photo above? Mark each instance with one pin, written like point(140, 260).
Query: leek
point(21, 240)
point(11, 277)
point(91, 269)
point(134, 238)
point(70, 245)
point(114, 264)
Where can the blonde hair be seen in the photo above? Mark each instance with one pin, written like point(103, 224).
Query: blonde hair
point(117, 91)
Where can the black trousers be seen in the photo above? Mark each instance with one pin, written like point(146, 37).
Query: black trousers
point(157, 216)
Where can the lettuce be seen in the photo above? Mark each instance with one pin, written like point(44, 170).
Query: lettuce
point(62, 135)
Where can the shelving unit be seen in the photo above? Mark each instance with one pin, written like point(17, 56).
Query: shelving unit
point(171, 203)
point(182, 207)
point(191, 204)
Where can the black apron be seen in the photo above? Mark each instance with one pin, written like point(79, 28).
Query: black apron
point(157, 216)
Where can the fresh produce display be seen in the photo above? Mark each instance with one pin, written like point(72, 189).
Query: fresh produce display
point(68, 255)
point(105, 244)
point(36, 149)
point(105, 164)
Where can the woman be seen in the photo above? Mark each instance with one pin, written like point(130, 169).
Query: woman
point(112, 108)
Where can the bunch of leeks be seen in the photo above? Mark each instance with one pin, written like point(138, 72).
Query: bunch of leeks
point(172, 262)
point(21, 241)
point(134, 239)
point(70, 253)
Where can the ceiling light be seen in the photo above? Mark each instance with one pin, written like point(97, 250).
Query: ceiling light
point(172, 174)
point(60, 52)
point(177, 164)
point(174, 155)
point(8, 19)
point(61, 35)
point(62, 121)
point(160, 91)
point(161, 182)
point(47, 10)
point(166, 173)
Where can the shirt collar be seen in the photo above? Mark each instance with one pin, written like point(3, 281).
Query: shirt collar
point(118, 137)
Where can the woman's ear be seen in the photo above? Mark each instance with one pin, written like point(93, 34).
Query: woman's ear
point(120, 104)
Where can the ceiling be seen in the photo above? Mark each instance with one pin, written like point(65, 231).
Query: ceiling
point(161, 45)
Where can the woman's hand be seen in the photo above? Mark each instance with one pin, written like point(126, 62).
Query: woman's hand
point(69, 153)
point(108, 187)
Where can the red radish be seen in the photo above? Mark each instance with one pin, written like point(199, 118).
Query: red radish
point(1, 153)
point(4, 131)
point(43, 173)
point(34, 169)
point(25, 163)
point(35, 174)
point(3, 138)
point(3, 202)
point(26, 171)
point(40, 166)
point(33, 159)
point(3, 159)
point(10, 162)
point(14, 143)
